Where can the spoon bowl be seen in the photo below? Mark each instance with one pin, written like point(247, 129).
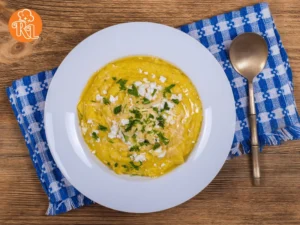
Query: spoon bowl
point(248, 54)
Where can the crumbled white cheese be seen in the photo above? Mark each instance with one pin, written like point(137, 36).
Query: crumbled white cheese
point(104, 92)
point(153, 75)
point(94, 152)
point(178, 97)
point(113, 130)
point(140, 70)
point(162, 165)
point(142, 90)
point(146, 80)
point(170, 120)
point(84, 130)
point(165, 116)
point(139, 158)
point(193, 142)
point(146, 73)
point(162, 79)
point(113, 99)
point(98, 140)
point(124, 121)
point(99, 98)
point(154, 164)
point(137, 83)
point(90, 121)
point(162, 104)
point(160, 153)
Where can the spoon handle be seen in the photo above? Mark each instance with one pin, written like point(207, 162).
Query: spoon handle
point(254, 136)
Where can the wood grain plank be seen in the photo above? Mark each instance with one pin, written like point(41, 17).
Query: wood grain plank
point(229, 199)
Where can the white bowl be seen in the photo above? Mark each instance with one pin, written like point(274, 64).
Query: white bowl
point(86, 172)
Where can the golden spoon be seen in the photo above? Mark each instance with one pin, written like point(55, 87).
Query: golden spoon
point(248, 54)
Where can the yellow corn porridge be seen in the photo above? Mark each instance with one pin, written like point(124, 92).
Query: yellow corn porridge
point(140, 115)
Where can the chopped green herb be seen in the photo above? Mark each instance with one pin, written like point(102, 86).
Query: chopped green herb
point(101, 127)
point(176, 101)
point(154, 91)
point(114, 78)
point(162, 138)
point(137, 113)
point(156, 145)
point(146, 101)
point(133, 91)
point(131, 124)
point(155, 109)
point(145, 142)
point(117, 109)
point(111, 141)
point(108, 163)
point(125, 137)
point(151, 116)
point(95, 135)
point(93, 101)
point(134, 148)
point(166, 106)
point(161, 121)
point(122, 84)
point(134, 137)
point(116, 164)
point(80, 116)
point(143, 128)
point(168, 89)
point(135, 166)
point(106, 101)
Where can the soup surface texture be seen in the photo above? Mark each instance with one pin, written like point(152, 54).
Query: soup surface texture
point(140, 115)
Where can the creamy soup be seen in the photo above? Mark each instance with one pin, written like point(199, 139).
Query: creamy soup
point(140, 115)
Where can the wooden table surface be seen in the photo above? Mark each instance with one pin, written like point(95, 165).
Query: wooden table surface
point(229, 199)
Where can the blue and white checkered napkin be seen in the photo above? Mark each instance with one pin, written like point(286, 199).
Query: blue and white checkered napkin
point(277, 116)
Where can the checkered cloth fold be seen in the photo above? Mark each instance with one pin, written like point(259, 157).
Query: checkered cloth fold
point(277, 115)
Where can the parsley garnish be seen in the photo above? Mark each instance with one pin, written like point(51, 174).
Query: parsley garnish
point(116, 164)
point(166, 106)
point(93, 101)
point(95, 135)
point(134, 137)
point(146, 101)
point(168, 89)
point(143, 128)
point(145, 142)
point(156, 146)
point(136, 113)
point(108, 163)
point(135, 166)
point(101, 127)
point(125, 137)
point(134, 148)
point(111, 141)
point(118, 109)
point(106, 101)
point(133, 91)
point(151, 116)
point(155, 109)
point(131, 124)
point(176, 101)
point(162, 138)
point(114, 78)
point(122, 84)
point(124, 166)
point(161, 121)
point(154, 91)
